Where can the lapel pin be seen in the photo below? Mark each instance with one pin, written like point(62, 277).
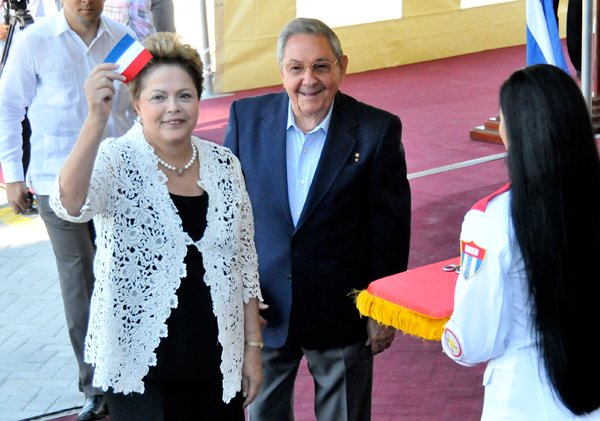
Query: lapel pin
point(356, 156)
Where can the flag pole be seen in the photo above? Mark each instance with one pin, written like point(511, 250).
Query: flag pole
point(596, 86)
point(208, 82)
point(208, 73)
point(586, 53)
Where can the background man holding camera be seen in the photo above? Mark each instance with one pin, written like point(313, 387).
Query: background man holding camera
point(32, 11)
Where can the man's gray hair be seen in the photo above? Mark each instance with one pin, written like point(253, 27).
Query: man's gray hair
point(310, 27)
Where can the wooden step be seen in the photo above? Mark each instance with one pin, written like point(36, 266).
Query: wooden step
point(492, 124)
point(488, 132)
point(483, 135)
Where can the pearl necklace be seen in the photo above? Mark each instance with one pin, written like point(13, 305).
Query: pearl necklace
point(182, 169)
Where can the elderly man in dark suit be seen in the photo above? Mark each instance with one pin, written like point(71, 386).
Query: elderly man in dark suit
point(326, 176)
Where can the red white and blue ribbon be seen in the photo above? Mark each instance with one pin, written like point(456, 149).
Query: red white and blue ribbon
point(130, 55)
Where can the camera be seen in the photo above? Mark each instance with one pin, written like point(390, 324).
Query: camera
point(21, 14)
point(15, 12)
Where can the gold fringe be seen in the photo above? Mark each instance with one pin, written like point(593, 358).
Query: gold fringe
point(399, 317)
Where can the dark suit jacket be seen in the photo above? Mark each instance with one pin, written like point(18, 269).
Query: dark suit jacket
point(354, 228)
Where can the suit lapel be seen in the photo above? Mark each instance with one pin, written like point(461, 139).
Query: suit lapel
point(274, 118)
point(339, 144)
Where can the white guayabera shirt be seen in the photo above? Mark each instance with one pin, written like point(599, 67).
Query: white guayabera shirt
point(46, 71)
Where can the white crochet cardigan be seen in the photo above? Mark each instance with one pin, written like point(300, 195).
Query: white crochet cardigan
point(139, 259)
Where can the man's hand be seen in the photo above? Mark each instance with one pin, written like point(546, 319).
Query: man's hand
point(17, 194)
point(262, 321)
point(380, 336)
point(3, 31)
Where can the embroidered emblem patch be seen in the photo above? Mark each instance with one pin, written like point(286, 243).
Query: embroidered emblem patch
point(471, 258)
point(452, 343)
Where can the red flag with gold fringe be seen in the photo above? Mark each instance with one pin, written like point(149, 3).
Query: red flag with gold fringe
point(419, 301)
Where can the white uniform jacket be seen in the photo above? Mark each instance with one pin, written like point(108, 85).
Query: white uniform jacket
point(139, 259)
point(492, 319)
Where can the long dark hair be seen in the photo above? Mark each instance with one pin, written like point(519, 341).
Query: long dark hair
point(554, 170)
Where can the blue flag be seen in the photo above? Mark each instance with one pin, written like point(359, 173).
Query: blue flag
point(543, 41)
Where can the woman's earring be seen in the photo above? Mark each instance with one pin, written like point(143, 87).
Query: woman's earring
point(139, 119)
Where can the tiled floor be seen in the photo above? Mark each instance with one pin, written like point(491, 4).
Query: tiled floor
point(38, 371)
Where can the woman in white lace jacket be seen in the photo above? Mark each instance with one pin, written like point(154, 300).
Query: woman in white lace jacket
point(150, 192)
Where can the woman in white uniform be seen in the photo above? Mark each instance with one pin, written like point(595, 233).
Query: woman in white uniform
point(528, 290)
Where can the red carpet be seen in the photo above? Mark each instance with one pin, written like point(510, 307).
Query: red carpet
point(413, 381)
point(439, 102)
